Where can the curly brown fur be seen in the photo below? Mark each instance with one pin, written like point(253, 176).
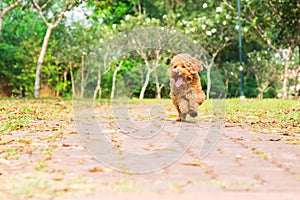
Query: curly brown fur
point(186, 90)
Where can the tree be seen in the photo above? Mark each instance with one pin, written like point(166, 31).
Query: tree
point(56, 18)
point(230, 78)
point(3, 11)
point(116, 70)
point(265, 65)
point(277, 23)
point(19, 47)
point(143, 41)
point(213, 29)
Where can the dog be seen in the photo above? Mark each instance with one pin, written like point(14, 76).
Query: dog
point(186, 91)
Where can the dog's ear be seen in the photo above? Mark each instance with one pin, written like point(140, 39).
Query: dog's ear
point(197, 64)
point(192, 69)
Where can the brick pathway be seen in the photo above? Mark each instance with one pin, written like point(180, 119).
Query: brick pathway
point(242, 165)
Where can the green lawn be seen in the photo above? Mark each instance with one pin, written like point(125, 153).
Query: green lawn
point(282, 115)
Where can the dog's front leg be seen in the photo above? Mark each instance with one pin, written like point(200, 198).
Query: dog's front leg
point(184, 108)
point(182, 117)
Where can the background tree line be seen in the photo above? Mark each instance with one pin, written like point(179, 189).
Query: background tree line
point(44, 44)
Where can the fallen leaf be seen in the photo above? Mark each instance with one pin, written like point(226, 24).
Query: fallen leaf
point(256, 139)
point(72, 132)
point(57, 178)
point(65, 145)
point(240, 157)
point(81, 161)
point(274, 139)
point(172, 116)
point(54, 128)
point(237, 138)
point(46, 138)
point(191, 164)
point(96, 169)
point(228, 125)
point(10, 141)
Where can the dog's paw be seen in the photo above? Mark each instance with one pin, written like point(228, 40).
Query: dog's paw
point(193, 113)
point(180, 120)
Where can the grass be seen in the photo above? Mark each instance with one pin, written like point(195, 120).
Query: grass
point(265, 116)
point(268, 116)
point(40, 185)
point(11, 153)
point(25, 114)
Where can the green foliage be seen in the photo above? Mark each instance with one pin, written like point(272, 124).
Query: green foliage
point(19, 45)
point(110, 11)
point(265, 68)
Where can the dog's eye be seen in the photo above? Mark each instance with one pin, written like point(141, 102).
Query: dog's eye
point(183, 66)
point(175, 67)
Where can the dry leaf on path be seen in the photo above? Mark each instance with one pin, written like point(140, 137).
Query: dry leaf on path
point(237, 138)
point(57, 178)
point(274, 139)
point(72, 132)
point(256, 139)
point(172, 116)
point(191, 164)
point(46, 138)
point(96, 169)
point(239, 156)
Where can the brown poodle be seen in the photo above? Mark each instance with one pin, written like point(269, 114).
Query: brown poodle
point(186, 90)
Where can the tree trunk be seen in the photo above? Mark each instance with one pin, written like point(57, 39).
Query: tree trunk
point(98, 87)
point(1, 23)
point(145, 84)
point(296, 92)
point(72, 79)
point(158, 87)
point(113, 87)
point(82, 77)
point(208, 82)
point(50, 27)
point(286, 72)
point(226, 87)
point(209, 70)
point(262, 90)
point(140, 6)
point(260, 94)
point(65, 79)
point(40, 63)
